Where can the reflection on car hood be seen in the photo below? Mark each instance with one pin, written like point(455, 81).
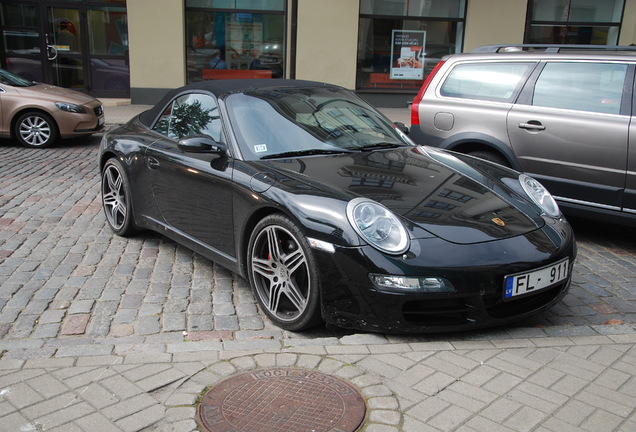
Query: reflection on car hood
point(55, 94)
point(431, 194)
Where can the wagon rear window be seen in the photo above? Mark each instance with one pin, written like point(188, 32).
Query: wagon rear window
point(485, 81)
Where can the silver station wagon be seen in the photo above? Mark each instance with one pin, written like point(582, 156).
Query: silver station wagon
point(562, 114)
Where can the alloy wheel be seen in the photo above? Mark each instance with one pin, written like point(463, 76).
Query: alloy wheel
point(280, 272)
point(114, 197)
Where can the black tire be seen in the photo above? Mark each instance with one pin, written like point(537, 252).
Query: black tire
point(491, 157)
point(36, 129)
point(282, 273)
point(117, 198)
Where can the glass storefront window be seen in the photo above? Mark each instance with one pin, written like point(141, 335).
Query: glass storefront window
point(108, 30)
point(261, 5)
point(397, 53)
point(414, 8)
point(21, 42)
point(18, 15)
point(241, 44)
point(594, 22)
point(578, 10)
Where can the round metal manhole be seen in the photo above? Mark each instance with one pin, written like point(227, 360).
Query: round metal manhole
point(290, 400)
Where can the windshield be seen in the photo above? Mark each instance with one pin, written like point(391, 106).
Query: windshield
point(290, 122)
point(14, 80)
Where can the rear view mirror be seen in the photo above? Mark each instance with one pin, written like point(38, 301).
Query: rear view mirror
point(401, 127)
point(201, 144)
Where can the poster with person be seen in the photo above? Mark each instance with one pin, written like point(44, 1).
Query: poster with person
point(407, 54)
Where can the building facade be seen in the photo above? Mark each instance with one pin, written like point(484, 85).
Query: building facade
point(383, 49)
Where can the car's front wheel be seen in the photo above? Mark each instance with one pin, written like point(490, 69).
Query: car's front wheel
point(283, 274)
point(116, 198)
point(36, 129)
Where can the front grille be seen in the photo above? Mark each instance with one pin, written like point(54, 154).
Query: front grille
point(473, 309)
point(447, 312)
point(497, 308)
point(98, 111)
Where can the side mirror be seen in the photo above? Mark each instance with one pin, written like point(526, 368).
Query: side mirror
point(201, 144)
point(401, 127)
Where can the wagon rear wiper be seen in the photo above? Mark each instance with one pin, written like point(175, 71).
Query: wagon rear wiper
point(308, 152)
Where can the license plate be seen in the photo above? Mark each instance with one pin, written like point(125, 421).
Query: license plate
point(536, 280)
point(100, 121)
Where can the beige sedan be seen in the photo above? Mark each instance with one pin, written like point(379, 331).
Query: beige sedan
point(38, 114)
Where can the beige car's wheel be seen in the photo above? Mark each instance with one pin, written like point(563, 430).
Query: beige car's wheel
point(36, 129)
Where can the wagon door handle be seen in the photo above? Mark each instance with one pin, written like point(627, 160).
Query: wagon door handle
point(153, 163)
point(532, 125)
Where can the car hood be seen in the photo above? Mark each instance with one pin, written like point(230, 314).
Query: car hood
point(435, 191)
point(54, 94)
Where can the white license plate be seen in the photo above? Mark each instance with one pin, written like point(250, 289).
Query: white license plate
point(536, 280)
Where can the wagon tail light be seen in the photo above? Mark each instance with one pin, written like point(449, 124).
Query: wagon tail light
point(415, 118)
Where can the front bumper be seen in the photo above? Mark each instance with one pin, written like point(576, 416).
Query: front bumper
point(477, 271)
point(74, 124)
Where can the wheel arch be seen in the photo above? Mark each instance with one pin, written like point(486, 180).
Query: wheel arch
point(16, 115)
point(248, 228)
point(104, 157)
point(471, 142)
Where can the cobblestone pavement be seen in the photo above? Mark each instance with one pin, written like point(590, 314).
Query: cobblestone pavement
point(99, 332)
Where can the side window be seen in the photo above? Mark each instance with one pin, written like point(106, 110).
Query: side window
point(595, 87)
point(191, 114)
point(485, 81)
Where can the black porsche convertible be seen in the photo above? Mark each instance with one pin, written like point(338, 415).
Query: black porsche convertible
point(332, 213)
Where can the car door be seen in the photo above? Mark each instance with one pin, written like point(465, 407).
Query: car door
point(629, 202)
point(570, 130)
point(192, 190)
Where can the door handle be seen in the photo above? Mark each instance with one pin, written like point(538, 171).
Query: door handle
point(51, 50)
point(532, 125)
point(153, 163)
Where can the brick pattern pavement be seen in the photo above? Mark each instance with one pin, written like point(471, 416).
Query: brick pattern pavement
point(579, 383)
point(65, 276)
point(99, 332)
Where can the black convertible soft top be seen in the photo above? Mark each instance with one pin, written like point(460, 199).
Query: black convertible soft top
point(220, 88)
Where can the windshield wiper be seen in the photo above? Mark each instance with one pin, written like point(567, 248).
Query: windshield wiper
point(379, 146)
point(309, 152)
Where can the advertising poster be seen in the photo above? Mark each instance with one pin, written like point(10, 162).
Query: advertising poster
point(407, 51)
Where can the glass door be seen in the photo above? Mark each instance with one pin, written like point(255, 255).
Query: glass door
point(65, 54)
point(21, 39)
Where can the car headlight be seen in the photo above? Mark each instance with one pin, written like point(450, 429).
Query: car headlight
point(69, 107)
point(410, 284)
point(378, 226)
point(540, 195)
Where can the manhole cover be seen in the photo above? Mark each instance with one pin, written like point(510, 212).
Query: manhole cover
point(289, 400)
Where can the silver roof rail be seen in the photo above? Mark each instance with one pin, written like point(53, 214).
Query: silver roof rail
point(549, 48)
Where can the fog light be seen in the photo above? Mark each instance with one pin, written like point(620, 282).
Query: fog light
point(412, 284)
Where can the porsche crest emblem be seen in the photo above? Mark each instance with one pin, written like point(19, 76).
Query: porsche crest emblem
point(498, 221)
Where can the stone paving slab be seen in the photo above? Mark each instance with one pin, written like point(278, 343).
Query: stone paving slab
point(577, 383)
point(99, 332)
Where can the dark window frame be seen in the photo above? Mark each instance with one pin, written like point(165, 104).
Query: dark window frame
point(403, 18)
point(288, 63)
point(569, 24)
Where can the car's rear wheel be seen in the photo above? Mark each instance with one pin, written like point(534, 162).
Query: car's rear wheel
point(283, 274)
point(36, 129)
point(117, 198)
